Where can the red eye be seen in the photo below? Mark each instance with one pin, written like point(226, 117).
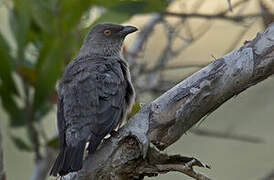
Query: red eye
point(107, 32)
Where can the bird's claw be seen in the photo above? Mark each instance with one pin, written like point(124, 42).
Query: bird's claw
point(113, 133)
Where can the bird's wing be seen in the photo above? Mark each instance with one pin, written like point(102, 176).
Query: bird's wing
point(94, 97)
point(111, 87)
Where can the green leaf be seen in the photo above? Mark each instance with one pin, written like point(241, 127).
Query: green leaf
point(18, 119)
point(5, 68)
point(71, 13)
point(54, 142)
point(133, 7)
point(19, 20)
point(119, 11)
point(21, 144)
point(42, 111)
point(112, 16)
point(8, 88)
point(140, 6)
point(43, 15)
point(49, 70)
point(16, 115)
point(107, 3)
point(135, 108)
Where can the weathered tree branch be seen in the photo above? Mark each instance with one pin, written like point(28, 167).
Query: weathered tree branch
point(43, 164)
point(133, 154)
point(2, 173)
point(206, 90)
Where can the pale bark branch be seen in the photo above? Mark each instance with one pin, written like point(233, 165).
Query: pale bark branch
point(132, 153)
point(43, 164)
point(203, 92)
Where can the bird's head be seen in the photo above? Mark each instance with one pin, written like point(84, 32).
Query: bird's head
point(106, 39)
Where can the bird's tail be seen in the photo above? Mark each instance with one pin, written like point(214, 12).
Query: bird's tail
point(69, 159)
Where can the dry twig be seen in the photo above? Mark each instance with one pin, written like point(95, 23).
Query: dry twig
point(238, 18)
point(227, 135)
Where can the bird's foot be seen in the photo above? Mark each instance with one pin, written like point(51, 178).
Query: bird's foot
point(113, 133)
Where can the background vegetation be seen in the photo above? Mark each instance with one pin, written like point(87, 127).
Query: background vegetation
point(46, 34)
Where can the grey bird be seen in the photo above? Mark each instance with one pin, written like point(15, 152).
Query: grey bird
point(94, 95)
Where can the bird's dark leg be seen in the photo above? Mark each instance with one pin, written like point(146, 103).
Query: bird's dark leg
point(113, 133)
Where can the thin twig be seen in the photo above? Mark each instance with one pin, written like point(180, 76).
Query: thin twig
point(173, 33)
point(170, 53)
point(238, 18)
point(178, 67)
point(184, 66)
point(183, 169)
point(143, 36)
point(30, 120)
point(164, 57)
point(234, 6)
point(268, 18)
point(227, 135)
point(242, 33)
point(229, 5)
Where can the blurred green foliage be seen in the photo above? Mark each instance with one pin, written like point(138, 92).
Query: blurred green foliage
point(135, 108)
point(49, 30)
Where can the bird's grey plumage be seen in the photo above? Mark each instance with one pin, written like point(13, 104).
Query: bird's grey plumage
point(95, 93)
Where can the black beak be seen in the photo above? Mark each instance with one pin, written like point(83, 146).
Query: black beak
point(127, 30)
